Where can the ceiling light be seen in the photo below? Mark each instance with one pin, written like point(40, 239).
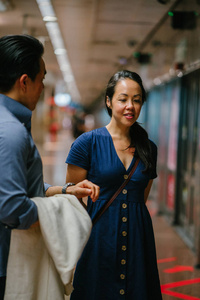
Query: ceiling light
point(122, 60)
point(157, 81)
point(4, 5)
point(180, 74)
point(60, 51)
point(49, 19)
point(62, 99)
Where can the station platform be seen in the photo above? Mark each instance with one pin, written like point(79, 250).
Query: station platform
point(176, 262)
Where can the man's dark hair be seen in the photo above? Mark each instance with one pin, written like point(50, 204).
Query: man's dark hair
point(19, 54)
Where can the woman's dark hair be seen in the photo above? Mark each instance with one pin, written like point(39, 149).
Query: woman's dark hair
point(139, 136)
point(19, 54)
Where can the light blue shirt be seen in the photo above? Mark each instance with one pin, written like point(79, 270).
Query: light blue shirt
point(21, 175)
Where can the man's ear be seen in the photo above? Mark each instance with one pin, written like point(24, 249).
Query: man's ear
point(23, 81)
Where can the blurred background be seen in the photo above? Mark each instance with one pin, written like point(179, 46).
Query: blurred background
point(86, 42)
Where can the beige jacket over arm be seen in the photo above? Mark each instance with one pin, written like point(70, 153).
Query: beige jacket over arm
point(42, 259)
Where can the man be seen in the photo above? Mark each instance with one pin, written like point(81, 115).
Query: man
point(22, 71)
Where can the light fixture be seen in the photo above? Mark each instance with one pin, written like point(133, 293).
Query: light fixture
point(60, 50)
point(122, 60)
point(157, 81)
point(49, 19)
point(62, 99)
point(4, 5)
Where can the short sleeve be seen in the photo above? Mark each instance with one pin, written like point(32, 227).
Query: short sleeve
point(154, 157)
point(79, 154)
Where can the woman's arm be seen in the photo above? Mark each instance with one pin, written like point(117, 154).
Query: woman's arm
point(78, 175)
point(147, 190)
point(82, 187)
point(75, 174)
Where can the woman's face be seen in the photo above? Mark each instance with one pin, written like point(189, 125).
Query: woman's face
point(126, 102)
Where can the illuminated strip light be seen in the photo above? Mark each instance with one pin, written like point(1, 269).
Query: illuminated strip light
point(179, 269)
point(60, 51)
point(164, 260)
point(165, 289)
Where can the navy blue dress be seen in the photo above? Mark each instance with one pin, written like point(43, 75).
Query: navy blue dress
point(119, 260)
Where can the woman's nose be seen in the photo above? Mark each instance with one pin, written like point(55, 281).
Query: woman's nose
point(130, 104)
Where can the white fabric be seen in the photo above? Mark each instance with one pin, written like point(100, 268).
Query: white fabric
point(42, 259)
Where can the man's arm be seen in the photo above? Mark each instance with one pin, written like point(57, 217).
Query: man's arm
point(16, 209)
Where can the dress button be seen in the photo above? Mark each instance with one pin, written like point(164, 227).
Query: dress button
point(124, 205)
point(125, 176)
point(123, 261)
point(122, 276)
point(124, 191)
point(122, 292)
point(124, 248)
point(124, 219)
point(124, 233)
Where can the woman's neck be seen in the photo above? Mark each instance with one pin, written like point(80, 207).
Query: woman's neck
point(118, 131)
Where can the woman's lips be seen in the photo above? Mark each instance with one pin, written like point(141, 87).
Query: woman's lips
point(129, 116)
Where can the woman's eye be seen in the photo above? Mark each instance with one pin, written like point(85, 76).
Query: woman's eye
point(122, 100)
point(137, 100)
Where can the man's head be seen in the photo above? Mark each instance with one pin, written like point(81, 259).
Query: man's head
point(22, 68)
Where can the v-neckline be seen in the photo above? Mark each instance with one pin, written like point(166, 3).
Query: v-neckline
point(133, 159)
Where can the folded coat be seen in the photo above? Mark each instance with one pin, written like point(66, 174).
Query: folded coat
point(42, 258)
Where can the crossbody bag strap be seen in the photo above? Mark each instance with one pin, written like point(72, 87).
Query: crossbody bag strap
point(107, 204)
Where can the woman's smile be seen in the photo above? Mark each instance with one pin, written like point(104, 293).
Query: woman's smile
point(129, 116)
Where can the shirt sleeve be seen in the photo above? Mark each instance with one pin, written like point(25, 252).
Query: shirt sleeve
point(46, 186)
point(154, 157)
point(17, 210)
point(79, 154)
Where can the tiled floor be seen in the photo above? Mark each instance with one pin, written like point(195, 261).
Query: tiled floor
point(176, 262)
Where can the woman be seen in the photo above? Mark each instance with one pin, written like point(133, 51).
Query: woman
point(119, 260)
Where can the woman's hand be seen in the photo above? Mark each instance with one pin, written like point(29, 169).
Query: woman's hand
point(83, 189)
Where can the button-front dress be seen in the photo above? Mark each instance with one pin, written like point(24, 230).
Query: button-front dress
point(119, 260)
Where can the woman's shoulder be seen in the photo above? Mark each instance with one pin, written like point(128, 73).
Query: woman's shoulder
point(92, 133)
point(89, 136)
point(101, 131)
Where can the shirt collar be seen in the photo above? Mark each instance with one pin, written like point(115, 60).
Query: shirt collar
point(21, 112)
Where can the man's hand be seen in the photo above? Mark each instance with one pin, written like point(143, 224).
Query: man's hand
point(83, 189)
